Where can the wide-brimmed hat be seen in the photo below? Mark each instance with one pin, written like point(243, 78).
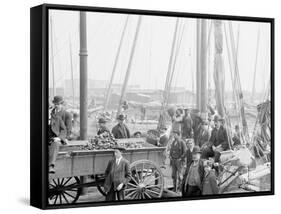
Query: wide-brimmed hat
point(196, 150)
point(120, 148)
point(102, 120)
point(58, 100)
point(121, 117)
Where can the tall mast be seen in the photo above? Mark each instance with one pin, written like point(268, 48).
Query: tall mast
point(203, 59)
point(115, 65)
point(83, 76)
point(219, 68)
point(256, 62)
point(161, 122)
point(71, 69)
point(198, 63)
point(52, 55)
point(124, 87)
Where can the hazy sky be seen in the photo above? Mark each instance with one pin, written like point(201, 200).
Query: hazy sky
point(153, 50)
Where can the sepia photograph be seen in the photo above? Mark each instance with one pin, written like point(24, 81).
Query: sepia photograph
point(151, 107)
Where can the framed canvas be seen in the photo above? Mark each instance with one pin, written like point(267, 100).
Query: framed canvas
point(136, 106)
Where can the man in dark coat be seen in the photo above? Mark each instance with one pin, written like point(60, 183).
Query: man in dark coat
point(219, 139)
point(177, 159)
point(117, 176)
point(204, 134)
point(197, 120)
point(121, 130)
point(209, 184)
point(194, 174)
point(187, 124)
point(103, 130)
point(59, 130)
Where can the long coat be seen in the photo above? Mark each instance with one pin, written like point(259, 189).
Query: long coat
point(203, 137)
point(219, 137)
point(187, 124)
point(210, 186)
point(120, 132)
point(116, 174)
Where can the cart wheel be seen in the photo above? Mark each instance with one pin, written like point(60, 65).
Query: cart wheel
point(147, 181)
point(63, 190)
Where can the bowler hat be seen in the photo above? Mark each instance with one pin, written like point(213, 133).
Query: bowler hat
point(196, 150)
point(58, 100)
point(102, 120)
point(121, 117)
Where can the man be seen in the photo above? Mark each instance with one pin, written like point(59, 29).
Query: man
point(121, 130)
point(190, 147)
point(187, 125)
point(219, 139)
point(75, 130)
point(102, 130)
point(117, 176)
point(177, 159)
point(194, 175)
point(237, 136)
point(204, 135)
point(59, 130)
point(177, 121)
point(209, 184)
point(197, 120)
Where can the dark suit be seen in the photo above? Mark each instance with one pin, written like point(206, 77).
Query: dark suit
point(187, 127)
point(120, 131)
point(60, 126)
point(203, 137)
point(115, 175)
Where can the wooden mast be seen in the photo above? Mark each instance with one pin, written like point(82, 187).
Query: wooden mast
point(198, 64)
point(108, 93)
point(124, 87)
point(71, 69)
point(203, 68)
point(52, 55)
point(83, 76)
point(255, 71)
point(161, 122)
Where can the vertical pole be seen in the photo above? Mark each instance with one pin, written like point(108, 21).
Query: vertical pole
point(83, 76)
point(203, 57)
point(71, 69)
point(52, 55)
point(124, 87)
point(115, 65)
point(198, 64)
point(83, 84)
point(255, 71)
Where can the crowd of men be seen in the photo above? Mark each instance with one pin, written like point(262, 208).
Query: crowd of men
point(195, 146)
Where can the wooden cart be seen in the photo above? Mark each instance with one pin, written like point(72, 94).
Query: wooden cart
point(147, 180)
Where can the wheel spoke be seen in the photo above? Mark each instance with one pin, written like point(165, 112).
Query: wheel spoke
point(151, 181)
point(151, 191)
point(65, 198)
point(130, 189)
point(67, 181)
point(69, 195)
point(153, 186)
point(55, 182)
point(62, 180)
point(134, 179)
point(60, 199)
point(131, 194)
point(56, 199)
point(137, 174)
point(52, 185)
point(132, 185)
point(147, 195)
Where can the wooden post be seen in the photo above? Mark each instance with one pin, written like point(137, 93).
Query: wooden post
point(108, 93)
point(71, 69)
point(124, 87)
point(198, 64)
point(83, 83)
point(203, 73)
point(52, 55)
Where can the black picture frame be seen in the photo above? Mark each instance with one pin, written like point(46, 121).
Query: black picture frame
point(39, 100)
